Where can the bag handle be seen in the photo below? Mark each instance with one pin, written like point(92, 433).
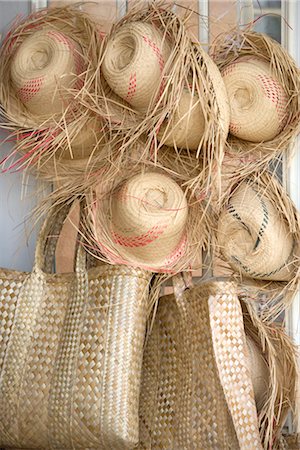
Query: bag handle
point(48, 237)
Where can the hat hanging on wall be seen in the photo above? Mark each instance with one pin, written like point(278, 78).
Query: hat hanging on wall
point(258, 235)
point(254, 237)
point(47, 62)
point(258, 101)
point(151, 48)
point(146, 219)
point(43, 68)
point(186, 126)
point(263, 86)
point(134, 63)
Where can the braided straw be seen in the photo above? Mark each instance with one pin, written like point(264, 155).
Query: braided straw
point(134, 62)
point(196, 389)
point(146, 223)
point(258, 102)
point(253, 236)
point(44, 66)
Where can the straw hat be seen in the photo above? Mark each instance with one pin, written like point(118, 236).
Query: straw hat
point(134, 63)
point(146, 223)
point(270, 78)
point(258, 101)
point(84, 138)
point(186, 126)
point(254, 237)
point(43, 67)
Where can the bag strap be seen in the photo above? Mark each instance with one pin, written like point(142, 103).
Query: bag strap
point(49, 236)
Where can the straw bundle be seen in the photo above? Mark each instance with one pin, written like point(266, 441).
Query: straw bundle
point(134, 61)
point(226, 52)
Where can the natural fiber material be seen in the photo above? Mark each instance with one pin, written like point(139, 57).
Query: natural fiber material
point(186, 125)
point(188, 64)
point(259, 372)
point(254, 237)
point(197, 384)
point(71, 355)
point(258, 102)
point(146, 222)
point(152, 223)
point(278, 351)
point(68, 139)
point(187, 370)
point(226, 51)
point(134, 62)
point(43, 68)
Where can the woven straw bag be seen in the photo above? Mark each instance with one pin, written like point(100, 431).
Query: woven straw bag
point(198, 387)
point(71, 353)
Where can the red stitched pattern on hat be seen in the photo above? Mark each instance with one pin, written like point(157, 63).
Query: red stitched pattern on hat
point(234, 128)
point(131, 87)
point(274, 92)
point(160, 58)
point(139, 241)
point(61, 38)
point(229, 69)
point(178, 252)
point(30, 89)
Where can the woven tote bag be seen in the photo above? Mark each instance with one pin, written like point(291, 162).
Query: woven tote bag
point(197, 391)
point(71, 349)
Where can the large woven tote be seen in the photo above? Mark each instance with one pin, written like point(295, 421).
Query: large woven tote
point(70, 354)
point(196, 388)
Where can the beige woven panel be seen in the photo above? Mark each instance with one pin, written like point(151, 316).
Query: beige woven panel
point(71, 358)
point(182, 400)
point(226, 320)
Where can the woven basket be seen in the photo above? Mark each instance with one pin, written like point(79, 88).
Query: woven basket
point(134, 63)
point(196, 383)
point(71, 353)
point(254, 237)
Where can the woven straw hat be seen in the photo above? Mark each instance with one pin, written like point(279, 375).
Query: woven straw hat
point(43, 67)
point(258, 101)
point(186, 126)
point(146, 224)
point(134, 63)
point(85, 138)
point(254, 237)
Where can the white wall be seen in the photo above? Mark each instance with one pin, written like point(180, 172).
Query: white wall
point(15, 251)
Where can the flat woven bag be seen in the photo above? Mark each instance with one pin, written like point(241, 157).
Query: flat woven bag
point(71, 353)
point(197, 383)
